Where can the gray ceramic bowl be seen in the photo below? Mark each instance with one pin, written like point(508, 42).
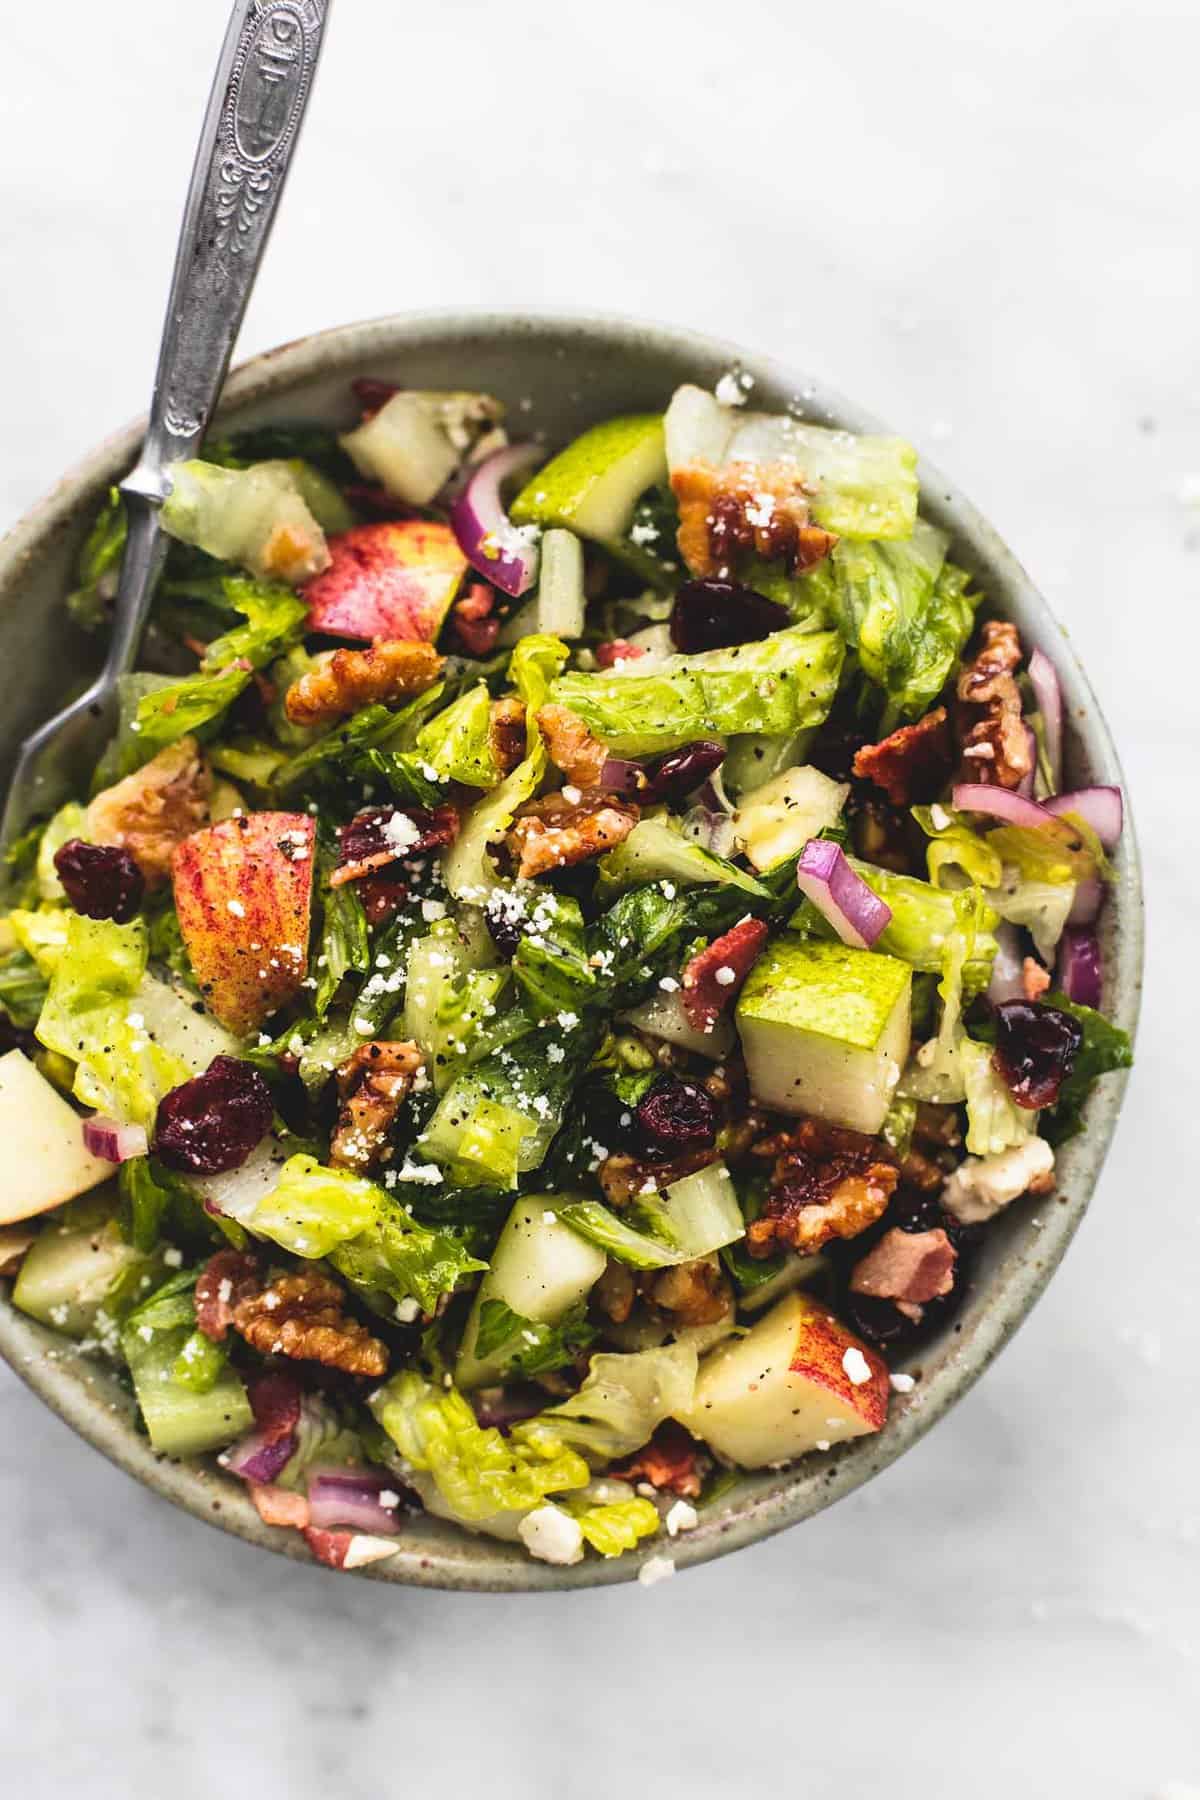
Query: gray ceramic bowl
point(558, 375)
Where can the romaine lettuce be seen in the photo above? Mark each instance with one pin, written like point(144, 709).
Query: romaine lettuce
point(312, 1208)
point(692, 1217)
point(614, 1526)
point(457, 743)
point(622, 1402)
point(657, 850)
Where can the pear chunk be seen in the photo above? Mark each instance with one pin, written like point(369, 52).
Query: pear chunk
point(43, 1144)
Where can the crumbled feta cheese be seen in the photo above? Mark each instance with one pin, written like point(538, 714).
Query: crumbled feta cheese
point(433, 909)
point(725, 976)
point(236, 908)
point(572, 795)
point(939, 817)
point(902, 1383)
point(363, 1549)
point(655, 1569)
point(733, 387)
point(681, 1517)
point(173, 1258)
point(408, 1310)
point(669, 985)
point(857, 1368)
point(400, 833)
point(982, 1185)
point(551, 1535)
point(389, 1498)
point(822, 1444)
point(424, 1174)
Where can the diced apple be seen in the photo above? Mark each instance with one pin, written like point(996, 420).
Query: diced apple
point(391, 580)
point(825, 1030)
point(778, 818)
point(796, 1381)
point(43, 1144)
point(243, 892)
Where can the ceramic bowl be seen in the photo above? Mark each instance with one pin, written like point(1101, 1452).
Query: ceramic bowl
point(557, 375)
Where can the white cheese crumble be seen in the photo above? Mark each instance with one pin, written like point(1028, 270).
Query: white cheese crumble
point(725, 976)
point(982, 1186)
point(732, 388)
point(857, 1368)
point(572, 795)
point(362, 1550)
point(939, 817)
point(902, 1383)
point(655, 1569)
point(400, 833)
point(236, 908)
point(433, 909)
point(408, 1310)
point(681, 1517)
point(551, 1535)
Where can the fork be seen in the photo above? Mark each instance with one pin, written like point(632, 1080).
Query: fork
point(258, 99)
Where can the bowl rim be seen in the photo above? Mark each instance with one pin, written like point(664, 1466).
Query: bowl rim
point(452, 1558)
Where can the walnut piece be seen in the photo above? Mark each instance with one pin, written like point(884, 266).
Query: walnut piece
point(345, 680)
point(155, 808)
point(993, 736)
point(373, 1085)
point(826, 1183)
point(553, 833)
point(694, 1293)
point(571, 746)
point(726, 513)
point(301, 1316)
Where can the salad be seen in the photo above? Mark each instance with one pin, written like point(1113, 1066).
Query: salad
point(559, 965)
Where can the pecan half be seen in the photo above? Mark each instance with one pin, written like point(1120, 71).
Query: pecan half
point(725, 513)
point(571, 746)
point(911, 763)
point(373, 1085)
point(345, 680)
point(155, 808)
point(553, 833)
point(826, 1183)
point(301, 1316)
point(992, 734)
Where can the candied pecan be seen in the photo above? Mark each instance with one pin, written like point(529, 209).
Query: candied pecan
point(670, 1460)
point(379, 836)
point(372, 1086)
point(155, 808)
point(301, 1316)
point(911, 763)
point(506, 733)
point(827, 1182)
point(571, 746)
point(724, 513)
point(345, 680)
point(555, 833)
point(225, 1281)
point(695, 1293)
point(714, 976)
point(615, 1292)
point(912, 1267)
point(1035, 980)
point(992, 734)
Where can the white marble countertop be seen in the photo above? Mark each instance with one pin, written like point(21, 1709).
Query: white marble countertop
point(981, 221)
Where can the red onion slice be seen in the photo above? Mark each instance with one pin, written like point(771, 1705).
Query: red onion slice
point(1006, 982)
point(486, 535)
point(1085, 908)
point(259, 1456)
point(1079, 972)
point(113, 1142)
point(825, 877)
point(1043, 679)
point(1000, 803)
point(1103, 808)
point(1026, 784)
point(620, 776)
point(353, 1499)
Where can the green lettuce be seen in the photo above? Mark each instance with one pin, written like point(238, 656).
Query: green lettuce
point(956, 852)
point(552, 964)
point(457, 741)
point(312, 1209)
point(396, 1259)
point(345, 939)
point(922, 918)
point(274, 617)
point(614, 1526)
point(657, 850)
point(622, 1402)
point(22, 989)
point(99, 566)
point(532, 1347)
point(781, 684)
point(994, 1121)
point(165, 711)
point(692, 1217)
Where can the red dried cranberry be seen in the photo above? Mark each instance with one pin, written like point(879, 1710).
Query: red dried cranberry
point(212, 1123)
point(1035, 1047)
point(680, 772)
point(372, 394)
point(676, 1114)
point(714, 615)
point(101, 881)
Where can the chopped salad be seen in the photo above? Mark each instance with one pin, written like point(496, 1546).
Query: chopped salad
point(559, 965)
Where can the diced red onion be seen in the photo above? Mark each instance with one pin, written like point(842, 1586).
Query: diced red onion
point(486, 535)
point(1089, 897)
point(1103, 808)
point(1043, 679)
point(1079, 972)
point(1000, 803)
point(113, 1142)
point(259, 1456)
point(1006, 982)
point(504, 1407)
point(1025, 785)
point(620, 776)
point(825, 877)
point(352, 1499)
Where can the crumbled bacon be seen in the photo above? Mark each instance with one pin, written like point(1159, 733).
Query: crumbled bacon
point(343, 681)
point(616, 651)
point(714, 976)
point(155, 808)
point(554, 833)
point(372, 1087)
point(507, 732)
point(670, 1460)
point(278, 1506)
point(912, 1267)
point(475, 620)
point(571, 746)
point(994, 738)
point(1035, 980)
point(301, 1316)
point(911, 763)
point(275, 1396)
point(373, 841)
point(226, 1278)
point(826, 1183)
point(725, 513)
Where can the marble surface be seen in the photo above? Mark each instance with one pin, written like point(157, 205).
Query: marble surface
point(981, 221)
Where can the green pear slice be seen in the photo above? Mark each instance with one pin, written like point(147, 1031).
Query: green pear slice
point(593, 485)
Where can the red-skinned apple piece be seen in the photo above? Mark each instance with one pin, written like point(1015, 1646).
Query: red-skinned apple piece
point(394, 579)
point(243, 892)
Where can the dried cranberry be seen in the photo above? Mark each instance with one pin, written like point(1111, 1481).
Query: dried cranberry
point(101, 881)
point(372, 394)
point(676, 1113)
point(680, 772)
point(714, 615)
point(504, 927)
point(1035, 1047)
point(212, 1123)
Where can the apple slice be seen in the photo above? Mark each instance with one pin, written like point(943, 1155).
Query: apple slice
point(391, 580)
point(797, 1381)
point(43, 1144)
point(243, 892)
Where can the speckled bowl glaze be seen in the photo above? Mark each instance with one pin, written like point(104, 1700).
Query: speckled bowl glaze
point(558, 375)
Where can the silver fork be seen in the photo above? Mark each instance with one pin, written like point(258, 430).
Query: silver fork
point(258, 99)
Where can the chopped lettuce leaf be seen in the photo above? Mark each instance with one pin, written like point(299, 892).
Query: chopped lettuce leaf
point(922, 918)
point(955, 851)
point(70, 821)
point(345, 940)
point(275, 620)
point(312, 1208)
point(395, 1259)
point(457, 741)
point(657, 850)
point(167, 711)
point(532, 1347)
point(692, 1217)
point(614, 1526)
point(22, 989)
point(1043, 907)
point(552, 964)
point(622, 1402)
point(994, 1121)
